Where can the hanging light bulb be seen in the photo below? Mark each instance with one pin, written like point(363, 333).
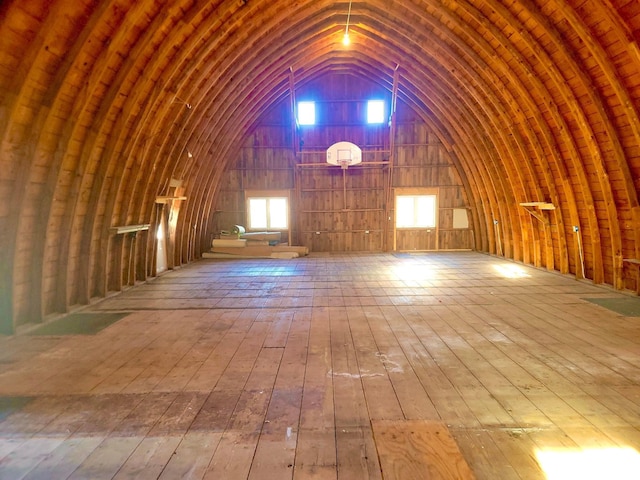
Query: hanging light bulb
point(346, 40)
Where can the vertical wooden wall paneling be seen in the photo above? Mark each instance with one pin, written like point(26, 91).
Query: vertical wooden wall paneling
point(411, 37)
point(293, 112)
point(336, 185)
point(213, 177)
point(200, 203)
point(295, 147)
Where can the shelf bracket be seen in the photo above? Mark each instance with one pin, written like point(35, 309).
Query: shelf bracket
point(536, 209)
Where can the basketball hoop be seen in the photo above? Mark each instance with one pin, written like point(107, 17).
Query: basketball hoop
point(344, 154)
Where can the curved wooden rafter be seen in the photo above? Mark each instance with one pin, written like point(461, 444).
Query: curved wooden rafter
point(534, 101)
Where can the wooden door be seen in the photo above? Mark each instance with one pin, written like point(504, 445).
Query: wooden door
point(416, 219)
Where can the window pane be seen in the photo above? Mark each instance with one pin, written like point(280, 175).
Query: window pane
point(278, 213)
point(306, 113)
point(375, 111)
point(257, 213)
point(425, 211)
point(404, 211)
point(416, 211)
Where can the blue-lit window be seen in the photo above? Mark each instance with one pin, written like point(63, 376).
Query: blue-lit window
point(306, 113)
point(375, 111)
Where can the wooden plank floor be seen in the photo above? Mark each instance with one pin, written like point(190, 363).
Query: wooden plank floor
point(276, 369)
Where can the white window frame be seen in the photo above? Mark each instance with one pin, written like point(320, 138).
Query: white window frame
point(268, 195)
point(417, 198)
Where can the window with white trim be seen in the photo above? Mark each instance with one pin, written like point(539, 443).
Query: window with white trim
point(416, 211)
point(268, 213)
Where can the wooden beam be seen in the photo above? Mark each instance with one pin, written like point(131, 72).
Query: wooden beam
point(389, 183)
point(122, 229)
point(294, 118)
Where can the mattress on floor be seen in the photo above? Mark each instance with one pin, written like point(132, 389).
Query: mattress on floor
point(229, 243)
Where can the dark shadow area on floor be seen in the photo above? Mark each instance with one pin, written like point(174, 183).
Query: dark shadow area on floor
point(79, 324)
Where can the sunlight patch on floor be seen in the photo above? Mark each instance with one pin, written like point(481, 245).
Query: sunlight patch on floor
point(414, 272)
point(614, 463)
point(511, 271)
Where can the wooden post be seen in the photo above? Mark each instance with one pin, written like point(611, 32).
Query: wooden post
point(295, 144)
point(294, 119)
point(389, 184)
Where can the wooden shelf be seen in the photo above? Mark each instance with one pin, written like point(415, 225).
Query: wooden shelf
point(536, 209)
point(539, 205)
point(168, 199)
point(122, 229)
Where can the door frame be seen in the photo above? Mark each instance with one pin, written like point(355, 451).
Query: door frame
point(415, 191)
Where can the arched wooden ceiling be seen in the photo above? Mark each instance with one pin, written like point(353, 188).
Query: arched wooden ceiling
point(536, 100)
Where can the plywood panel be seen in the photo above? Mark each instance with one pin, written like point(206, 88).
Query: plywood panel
point(415, 450)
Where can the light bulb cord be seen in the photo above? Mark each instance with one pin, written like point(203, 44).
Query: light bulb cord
point(346, 30)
